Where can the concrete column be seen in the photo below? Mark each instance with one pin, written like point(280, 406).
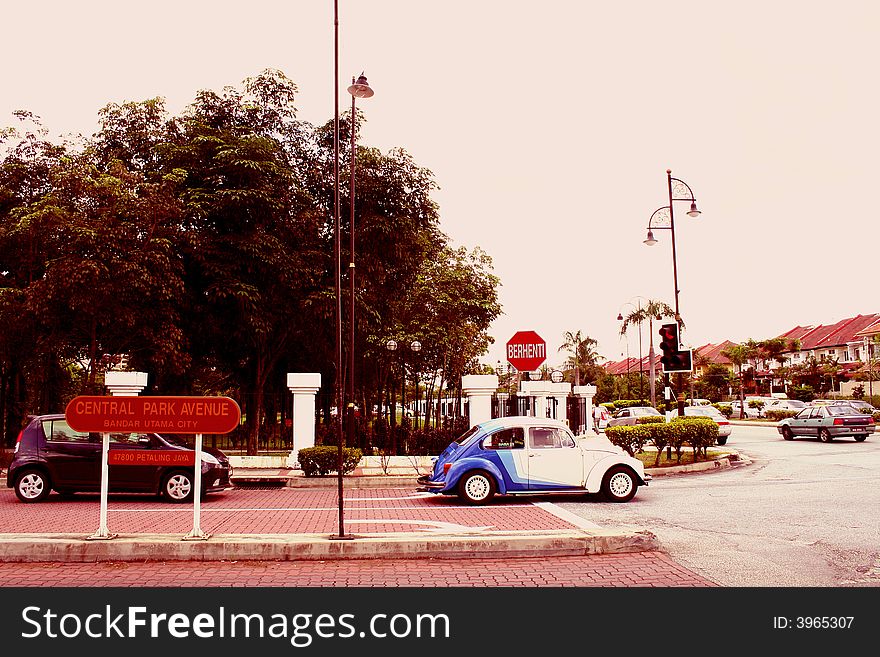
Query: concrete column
point(125, 384)
point(479, 388)
point(587, 392)
point(559, 392)
point(304, 388)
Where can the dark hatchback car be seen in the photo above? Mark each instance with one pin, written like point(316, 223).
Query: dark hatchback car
point(49, 455)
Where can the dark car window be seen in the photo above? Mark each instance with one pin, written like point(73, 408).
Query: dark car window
point(513, 438)
point(60, 431)
point(804, 414)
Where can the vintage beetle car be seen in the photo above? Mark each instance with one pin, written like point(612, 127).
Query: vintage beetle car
point(827, 423)
point(529, 455)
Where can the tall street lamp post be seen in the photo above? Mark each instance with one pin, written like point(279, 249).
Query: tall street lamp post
point(358, 89)
point(664, 218)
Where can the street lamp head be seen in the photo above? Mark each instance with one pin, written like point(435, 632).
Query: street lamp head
point(360, 88)
point(391, 345)
point(556, 376)
point(693, 212)
point(650, 241)
point(415, 345)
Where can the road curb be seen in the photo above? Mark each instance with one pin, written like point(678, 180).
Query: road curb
point(311, 547)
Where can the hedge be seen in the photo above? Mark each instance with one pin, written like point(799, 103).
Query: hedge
point(324, 460)
point(698, 432)
point(779, 414)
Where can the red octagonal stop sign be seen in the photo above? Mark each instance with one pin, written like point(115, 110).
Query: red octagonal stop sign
point(526, 350)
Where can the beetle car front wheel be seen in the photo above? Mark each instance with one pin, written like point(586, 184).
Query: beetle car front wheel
point(476, 487)
point(619, 484)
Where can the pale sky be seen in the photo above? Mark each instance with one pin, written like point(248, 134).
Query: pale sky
point(549, 128)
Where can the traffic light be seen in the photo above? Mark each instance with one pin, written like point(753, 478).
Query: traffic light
point(668, 340)
point(674, 359)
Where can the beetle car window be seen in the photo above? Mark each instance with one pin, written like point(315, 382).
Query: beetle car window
point(60, 431)
point(548, 438)
point(513, 438)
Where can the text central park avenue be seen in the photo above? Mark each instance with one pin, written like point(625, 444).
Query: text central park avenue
point(163, 408)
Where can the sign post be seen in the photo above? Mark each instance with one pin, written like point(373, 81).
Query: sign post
point(197, 415)
point(526, 350)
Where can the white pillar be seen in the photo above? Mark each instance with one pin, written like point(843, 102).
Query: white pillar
point(587, 392)
point(559, 392)
point(479, 388)
point(125, 384)
point(304, 388)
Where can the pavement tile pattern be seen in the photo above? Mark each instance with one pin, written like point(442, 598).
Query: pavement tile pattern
point(642, 569)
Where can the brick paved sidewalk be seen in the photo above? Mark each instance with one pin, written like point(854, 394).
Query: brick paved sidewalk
point(642, 569)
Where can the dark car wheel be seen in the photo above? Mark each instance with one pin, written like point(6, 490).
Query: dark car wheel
point(476, 487)
point(178, 487)
point(721, 440)
point(619, 484)
point(860, 439)
point(825, 436)
point(32, 485)
point(787, 434)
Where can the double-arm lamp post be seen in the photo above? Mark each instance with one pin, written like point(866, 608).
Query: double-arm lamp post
point(664, 219)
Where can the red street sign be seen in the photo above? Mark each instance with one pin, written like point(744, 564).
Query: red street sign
point(151, 457)
point(526, 350)
point(211, 415)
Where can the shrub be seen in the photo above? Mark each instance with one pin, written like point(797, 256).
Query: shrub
point(726, 409)
point(651, 419)
point(324, 460)
point(698, 432)
point(779, 414)
point(631, 439)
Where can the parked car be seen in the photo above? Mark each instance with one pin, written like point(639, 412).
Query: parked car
point(724, 427)
point(600, 417)
point(750, 411)
point(629, 416)
point(50, 455)
point(784, 405)
point(858, 404)
point(529, 455)
point(826, 423)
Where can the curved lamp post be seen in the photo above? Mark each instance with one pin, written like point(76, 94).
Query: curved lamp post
point(664, 219)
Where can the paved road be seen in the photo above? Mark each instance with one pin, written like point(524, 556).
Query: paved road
point(804, 513)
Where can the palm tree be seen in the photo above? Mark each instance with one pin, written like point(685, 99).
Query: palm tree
point(582, 350)
point(738, 355)
point(650, 311)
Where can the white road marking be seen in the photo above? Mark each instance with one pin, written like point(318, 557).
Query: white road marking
point(568, 516)
point(435, 525)
point(291, 508)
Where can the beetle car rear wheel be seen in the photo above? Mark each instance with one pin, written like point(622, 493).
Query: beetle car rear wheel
point(178, 487)
point(476, 487)
point(619, 484)
point(32, 485)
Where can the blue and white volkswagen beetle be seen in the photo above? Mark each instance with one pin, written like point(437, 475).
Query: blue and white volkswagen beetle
point(530, 455)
